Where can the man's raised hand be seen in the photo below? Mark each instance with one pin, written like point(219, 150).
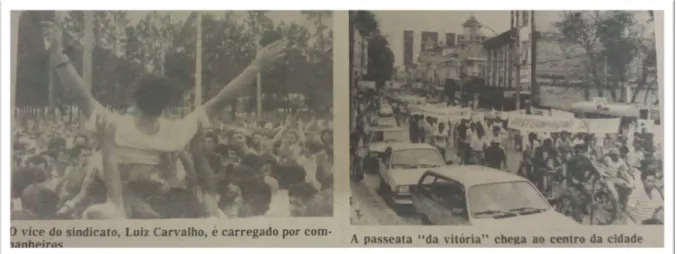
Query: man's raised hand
point(270, 53)
point(53, 36)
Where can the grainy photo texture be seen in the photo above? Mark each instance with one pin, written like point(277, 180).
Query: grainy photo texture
point(173, 114)
point(505, 118)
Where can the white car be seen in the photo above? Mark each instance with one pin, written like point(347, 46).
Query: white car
point(383, 134)
point(372, 148)
point(386, 110)
point(482, 196)
point(402, 165)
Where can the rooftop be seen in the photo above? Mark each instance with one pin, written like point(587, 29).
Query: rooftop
point(499, 40)
point(472, 22)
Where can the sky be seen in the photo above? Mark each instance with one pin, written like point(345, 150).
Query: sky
point(393, 23)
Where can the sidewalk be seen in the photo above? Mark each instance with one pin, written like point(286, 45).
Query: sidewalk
point(369, 207)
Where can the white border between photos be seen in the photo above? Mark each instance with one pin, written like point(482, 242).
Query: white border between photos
point(668, 85)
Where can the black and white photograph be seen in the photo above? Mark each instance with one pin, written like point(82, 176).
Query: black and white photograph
point(505, 118)
point(172, 114)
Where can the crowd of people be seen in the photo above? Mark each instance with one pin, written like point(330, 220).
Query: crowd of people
point(145, 164)
point(253, 169)
point(627, 163)
point(630, 170)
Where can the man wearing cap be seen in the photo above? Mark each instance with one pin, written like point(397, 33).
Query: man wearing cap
point(617, 171)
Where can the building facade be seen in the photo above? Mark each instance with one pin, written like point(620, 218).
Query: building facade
point(455, 58)
point(360, 55)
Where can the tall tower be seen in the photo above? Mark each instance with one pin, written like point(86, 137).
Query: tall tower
point(408, 47)
point(471, 30)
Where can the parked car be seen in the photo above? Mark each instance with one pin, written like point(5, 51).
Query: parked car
point(385, 110)
point(481, 196)
point(401, 165)
point(372, 148)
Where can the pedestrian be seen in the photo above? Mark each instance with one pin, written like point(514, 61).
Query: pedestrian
point(495, 156)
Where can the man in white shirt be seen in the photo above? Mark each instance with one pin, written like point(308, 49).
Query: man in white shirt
point(644, 200)
point(142, 137)
point(147, 131)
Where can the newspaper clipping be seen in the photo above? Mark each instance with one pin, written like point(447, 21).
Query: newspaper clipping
point(218, 129)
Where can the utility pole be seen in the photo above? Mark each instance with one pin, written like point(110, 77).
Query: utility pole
point(87, 54)
point(606, 74)
point(198, 63)
point(257, 42)
point(16, 17)
point(88, 49)
point(535, 88)
point(512, 19)
point(516, 57)
point(50, 112)
point(351, 74)
point(50, 92)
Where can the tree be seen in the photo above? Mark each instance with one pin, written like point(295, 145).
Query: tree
point(320, 62)
point(365, 23)
point(156, 43)
point(32, 68)
point(609, 39)
point(579, 29)
point(647, 54)
point(620, 39)
point(319, 18)
point(380, 57)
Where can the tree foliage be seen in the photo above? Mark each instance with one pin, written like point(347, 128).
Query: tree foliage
point(381, 60)
point(379, 54)
point(612, 42)
point(124, 50)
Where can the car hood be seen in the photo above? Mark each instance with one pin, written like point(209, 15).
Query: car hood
point(549, 217)
point(407, 176)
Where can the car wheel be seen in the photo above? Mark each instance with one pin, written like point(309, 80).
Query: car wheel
point(605, 208)
point(425, 220)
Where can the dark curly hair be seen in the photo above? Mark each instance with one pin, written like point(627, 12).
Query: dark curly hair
point(153, 94)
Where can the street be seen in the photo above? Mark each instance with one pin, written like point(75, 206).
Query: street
point(372, 209)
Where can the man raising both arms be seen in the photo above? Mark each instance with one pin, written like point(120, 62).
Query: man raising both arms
point(141, 139)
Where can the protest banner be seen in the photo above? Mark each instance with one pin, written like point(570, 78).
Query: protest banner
point(601, 126)
point(535, 123)
point(561, 113)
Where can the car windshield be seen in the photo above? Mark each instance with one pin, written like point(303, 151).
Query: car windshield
point(389, 136)
point(416, 158)
point(518, 198)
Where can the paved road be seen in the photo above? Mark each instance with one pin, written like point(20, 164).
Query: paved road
point(369, 207)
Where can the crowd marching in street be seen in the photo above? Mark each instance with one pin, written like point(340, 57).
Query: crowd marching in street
point(577, 163)
point(149, 165)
